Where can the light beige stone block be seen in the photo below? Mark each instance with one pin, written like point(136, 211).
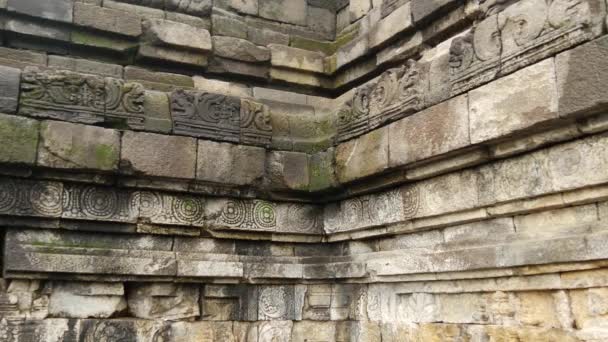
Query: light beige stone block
point(363, 156)
point(288, 57)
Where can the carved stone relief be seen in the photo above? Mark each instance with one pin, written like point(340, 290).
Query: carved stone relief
point(206, 115)
point(255, 124)
point(398, 93)
point(71, 96)
point(97, 203)
point(513, 34)
point(162, 208)
point(30, 198)
point(249, 215)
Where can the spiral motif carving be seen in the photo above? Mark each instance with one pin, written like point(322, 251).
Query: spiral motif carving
point(187, 209)
point(99, 202)
point(46, 198)
point(411, 200)
point(264, 215)
point(147, 202)
point(272, 302)
point(8, 196)
point(302, 218)
point(234, 213)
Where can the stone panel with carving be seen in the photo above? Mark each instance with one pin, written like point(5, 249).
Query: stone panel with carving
point(66, 95)
point(163, 208)
point(513, 34)
point(256, 128)
point(206, 115)
point(31, 198)
point(98, 203)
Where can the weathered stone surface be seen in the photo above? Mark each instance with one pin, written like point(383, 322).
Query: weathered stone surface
point(222, 87)
point(398, 21)
point(245, 6)
point(65, 145)
point(158, 115)
point(322, 175)
point(206, 115)
point(160, 81)
point(293, 12)
point(59, 10)
point(264, 36)
point(288, 170)
point(581, 73)
point(107, 19)
point(363, 156)
point(296, 58)
point(225, 24)
point(199, 8)
point(163, 300)
point(322, 20)
point(423, 9)
point(359, 8)
point(230, 164)
point(221, 65)
point(443, 128)
point(9, 89)
point(19, 139)
point(85, 66)
point(164, 32)
point(144, 12)
point(533, 93)
point(147, 51)
point(86, 300)
point(158, 155)
point(239, 49)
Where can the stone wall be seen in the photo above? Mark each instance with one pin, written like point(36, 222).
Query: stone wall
point(266, 170)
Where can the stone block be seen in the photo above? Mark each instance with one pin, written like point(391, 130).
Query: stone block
point(288, 170)
point(322, 20)
point(166, 301)
point(443, 194)
point(578, 164)
point(87, 300)
point(533, 93)
point(284, 56)
point(158, 155)
point(443, 128)
point(107, 19)
point(321, 173)
point(58, 10)
point(19, 140)
point(141, 11)
point(225, 163)
point(202, 331)
point(72, 146)
point(423, 9)
point(304, 331)
point(196, 58)
point(17, 58)
point(292, 12)
point(296, 77)
point(29, 27)
point(225, 24)
point(558, 222)
point(359, 8)
point(222, 87)
point(581, 74)
point(351, 51)
point(85, 66)
point(9, 89)
point(161, 81)
point(203, 23)
point(88, 38)
point(156, 108)
point(264, 36)
point(165, 32)
point(239, 49)
point(220, 65)
point(245, 6)
point(398, 21)
point(364, 156)
point(199, 8)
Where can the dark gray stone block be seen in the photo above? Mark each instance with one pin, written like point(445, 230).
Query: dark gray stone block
point(59, 10)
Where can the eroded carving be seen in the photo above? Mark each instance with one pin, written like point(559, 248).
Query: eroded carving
point(27, 198)
point(97, 203)
point(108, 331)
point(250, 215)
point(206, 115)
point(512, 34)
point(71, 96)
point(255, 123)
point(162, 208)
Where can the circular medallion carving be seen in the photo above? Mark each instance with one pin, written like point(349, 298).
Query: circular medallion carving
point(46, 198)
point(8, 196)
point(99, 202)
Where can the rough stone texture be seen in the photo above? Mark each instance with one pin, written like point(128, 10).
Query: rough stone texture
point(9, 89)
point(532, 93)
point(222, 87)
point(156, 108)
point(158, 155)
point(59, 10)
point(288, 170)
point(293, 12)
point(107, 19)
point(19, 138)
point(398, 21)
point(423, 9)
point(296, 58)
point(229, 163)
point(239, 49)
point(166, 301)
point(363, 156)
point(443, 128)
point(581, 74)
point(359, 8)
point(87, 300)
point(245, 6)
point(225, 24)
point(71, 146)
point(164, 32)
